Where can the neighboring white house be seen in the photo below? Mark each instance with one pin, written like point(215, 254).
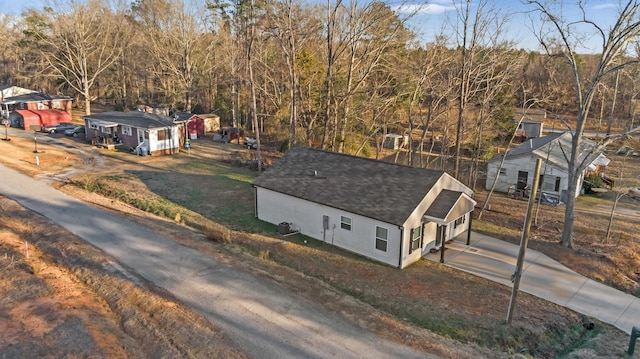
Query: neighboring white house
point(388, 212)
point(11, 91)
point(146, 133)
point(516, 174)
point(394, 141)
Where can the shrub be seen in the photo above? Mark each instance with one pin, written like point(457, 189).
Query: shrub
point(217, 233)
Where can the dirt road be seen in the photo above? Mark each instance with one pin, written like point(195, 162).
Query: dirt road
point(259, 316)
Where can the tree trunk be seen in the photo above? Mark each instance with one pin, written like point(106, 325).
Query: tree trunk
point(254, 107)
point(86, 94)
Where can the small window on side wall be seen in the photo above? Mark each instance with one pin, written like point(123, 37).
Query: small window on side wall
point(382, 235)
point(503, 172)
point(458, 222)
point(345, 223)
point(416, 236)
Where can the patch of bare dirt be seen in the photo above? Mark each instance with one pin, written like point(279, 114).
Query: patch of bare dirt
point(64, 298)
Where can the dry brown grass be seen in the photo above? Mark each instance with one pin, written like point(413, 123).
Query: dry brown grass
point(68, 300)
point(426, 294)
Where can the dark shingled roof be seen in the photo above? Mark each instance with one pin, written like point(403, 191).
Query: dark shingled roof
point(443, 203)
point(380, 190)
point(450, 205)
point(133, 118)
point(553, 148)
point(533, 144)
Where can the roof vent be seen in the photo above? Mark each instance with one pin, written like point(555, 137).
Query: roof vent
point(317, 175)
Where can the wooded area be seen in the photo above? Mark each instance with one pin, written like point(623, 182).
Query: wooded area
point(337, 76)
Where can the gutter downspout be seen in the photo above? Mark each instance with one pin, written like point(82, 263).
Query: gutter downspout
point(401, 246)
point(255, 201)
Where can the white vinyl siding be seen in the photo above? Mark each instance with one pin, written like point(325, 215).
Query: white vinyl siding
point(308, 217)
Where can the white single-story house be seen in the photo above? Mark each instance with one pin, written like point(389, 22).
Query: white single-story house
point(516, 174)
point(391, 213)
point(394, 141)
point(144, 132)
point(528, 129)
point(530, 123)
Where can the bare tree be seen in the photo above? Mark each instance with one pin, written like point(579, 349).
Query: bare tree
point(359, 38)
point(561, 37)
point(81, 43)
point(292, 24)
point(252, 86)
point(477, 28)
point(174, 34)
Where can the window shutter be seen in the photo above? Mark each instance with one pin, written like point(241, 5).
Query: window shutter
point(411, 241)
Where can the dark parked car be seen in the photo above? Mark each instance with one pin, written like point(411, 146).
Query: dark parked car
point(78, 130)
point(58, 128)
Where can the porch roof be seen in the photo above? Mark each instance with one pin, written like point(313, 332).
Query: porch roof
point(449, 206)
point(104, 123)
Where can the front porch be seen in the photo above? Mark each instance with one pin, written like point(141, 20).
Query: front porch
point(109, 142)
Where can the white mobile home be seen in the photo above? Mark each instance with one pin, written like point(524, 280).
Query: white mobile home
point(516, 173)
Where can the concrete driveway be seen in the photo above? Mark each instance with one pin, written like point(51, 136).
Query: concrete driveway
point(543, 277)
point(261, 317)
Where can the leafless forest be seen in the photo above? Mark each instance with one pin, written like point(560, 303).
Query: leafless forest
point(338, 75)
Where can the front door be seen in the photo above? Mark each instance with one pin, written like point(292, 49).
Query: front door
point(522, 181)
point(441, 232)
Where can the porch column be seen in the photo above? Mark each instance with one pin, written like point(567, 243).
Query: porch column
point(469, 229)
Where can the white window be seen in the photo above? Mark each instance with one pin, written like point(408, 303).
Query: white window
point(41, 106)
point(93, 125)
point(416, 239)
point(458, 222)
point(56, 104)
point(127, 130)
point(345, 223)
point(382, 235)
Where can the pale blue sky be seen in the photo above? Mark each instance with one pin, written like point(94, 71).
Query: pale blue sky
point(430, 18)
point(438, 13)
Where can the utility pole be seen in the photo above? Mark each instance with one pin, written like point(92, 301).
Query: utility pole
point(524, 240)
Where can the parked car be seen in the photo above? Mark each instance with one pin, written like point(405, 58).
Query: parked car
point(58, 128)
point(74, 131)
point(251, 143)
